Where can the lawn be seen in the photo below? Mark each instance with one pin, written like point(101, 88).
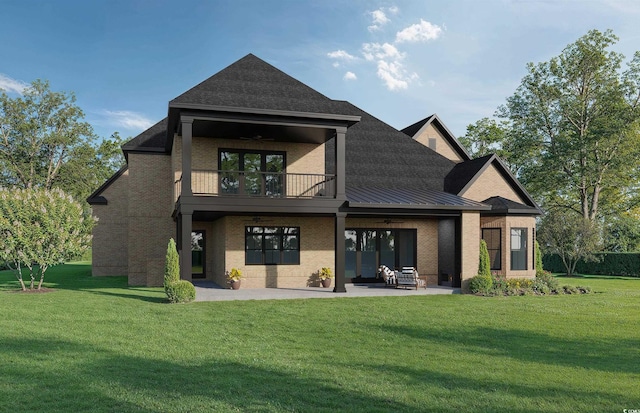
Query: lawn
point(94, 344)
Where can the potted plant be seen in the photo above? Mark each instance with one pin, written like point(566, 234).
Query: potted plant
point(325, 276)
point(233, 277)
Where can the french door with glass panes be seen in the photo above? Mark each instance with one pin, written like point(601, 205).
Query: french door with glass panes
point(367, 249)
point(257, 173)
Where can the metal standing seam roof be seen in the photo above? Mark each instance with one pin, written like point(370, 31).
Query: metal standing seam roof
point(409, 198)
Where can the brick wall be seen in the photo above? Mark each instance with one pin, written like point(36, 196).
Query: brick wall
point(505, 223)
point(491, 183)
point(442, 145)
point(470, 245)
point(316, 251)
point(110, 239)
point(150, 223)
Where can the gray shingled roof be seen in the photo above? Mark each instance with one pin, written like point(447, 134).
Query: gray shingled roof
point(464, 172)
point(151, 140)
point(253, 83)
point(379, 158)
point(378, 155)
point(413, 129)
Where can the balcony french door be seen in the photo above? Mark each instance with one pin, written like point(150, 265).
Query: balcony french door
point(254, 173)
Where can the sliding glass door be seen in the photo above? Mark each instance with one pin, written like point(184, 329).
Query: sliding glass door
point(367, 249)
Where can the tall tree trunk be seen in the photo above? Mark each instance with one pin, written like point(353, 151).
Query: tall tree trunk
point(42, 270)
point(19, 275)
point(594, 203)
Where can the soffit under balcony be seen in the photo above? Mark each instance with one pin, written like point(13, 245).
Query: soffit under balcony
point(262, 127)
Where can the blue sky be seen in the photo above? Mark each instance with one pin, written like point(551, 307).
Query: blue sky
point(398, 60)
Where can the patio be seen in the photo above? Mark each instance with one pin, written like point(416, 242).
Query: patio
point(209, 291)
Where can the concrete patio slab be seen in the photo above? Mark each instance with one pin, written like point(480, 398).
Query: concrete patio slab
point(209, 291)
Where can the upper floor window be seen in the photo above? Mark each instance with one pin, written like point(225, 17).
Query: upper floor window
point(518, 248)
point(252, 172)
point(493, 238)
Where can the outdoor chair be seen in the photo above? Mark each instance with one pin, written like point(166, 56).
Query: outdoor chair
point(408, 277)
point(388, 275)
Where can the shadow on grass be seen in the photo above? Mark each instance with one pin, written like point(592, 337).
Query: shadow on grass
point(616, 356)
point(93, 380)
point(489, 394)
point(77, 276)
point(597, 277)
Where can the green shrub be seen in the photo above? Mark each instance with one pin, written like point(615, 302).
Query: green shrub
point(484, 268)
point(177, 290)
point(510, 291)
point(584, 289)
point(570, 289)
point(519, 283)
point(549, 280)
point(480, 284)
point(499, 284)
point(181, 291)
point(540, 287)
point(171, 265)
point(609, 263)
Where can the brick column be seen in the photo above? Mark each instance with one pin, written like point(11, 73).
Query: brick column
point(469, 245)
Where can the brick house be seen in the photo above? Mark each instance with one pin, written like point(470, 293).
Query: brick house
point(252, 169)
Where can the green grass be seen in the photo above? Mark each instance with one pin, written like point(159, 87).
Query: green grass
point(95, 344)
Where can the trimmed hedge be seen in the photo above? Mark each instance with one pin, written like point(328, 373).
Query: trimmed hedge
point(480, 284)
point(610, 263)
point(544, 284)
point(181, 291)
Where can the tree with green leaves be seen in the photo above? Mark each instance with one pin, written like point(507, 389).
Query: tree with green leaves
point(45, 143)
point(577, 119)
point(571, 236)
point(622, 232)
point(40, 228)
point(539, 265)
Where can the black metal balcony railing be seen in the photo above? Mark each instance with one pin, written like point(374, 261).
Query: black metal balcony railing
point(259, 184)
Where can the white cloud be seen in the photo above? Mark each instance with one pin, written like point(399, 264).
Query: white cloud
point(388, 58)
point(379, 20)
point(128, 120)
point(11, 85)
point(341, 55)
point(372, 51)
point(394, 75)
point(350, 76)
point(420, 32)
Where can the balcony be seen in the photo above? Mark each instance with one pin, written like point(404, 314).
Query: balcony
point(259, 184)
